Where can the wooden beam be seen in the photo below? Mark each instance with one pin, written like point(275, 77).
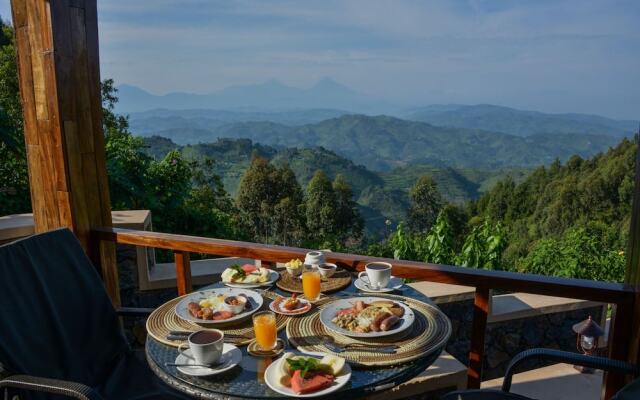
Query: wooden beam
point(605, 292)
point(476, 353)
point(59, 74)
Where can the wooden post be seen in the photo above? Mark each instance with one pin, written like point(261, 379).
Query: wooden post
point(476, 354)
point(183, 272)
point(58, 67)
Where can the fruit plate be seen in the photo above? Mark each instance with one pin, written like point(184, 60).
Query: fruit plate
point(271, 379)
point(273, 277)
point(253, 297)
point(330, 310)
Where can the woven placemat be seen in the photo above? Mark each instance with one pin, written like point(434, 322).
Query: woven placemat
point(429, 332)
point(339, 280)
point(164, 319)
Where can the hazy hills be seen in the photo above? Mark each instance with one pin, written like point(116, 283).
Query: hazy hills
point(520, 122)
point(382, 143)
point(271, 96)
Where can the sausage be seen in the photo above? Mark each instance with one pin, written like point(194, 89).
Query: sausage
point(220, 315)
point(375, 325)
point(207, 314)
point(388, 323)
point(193, 308)
point(360, 305)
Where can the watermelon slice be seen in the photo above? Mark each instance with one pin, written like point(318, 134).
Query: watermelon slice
point(312, 382)
point(248, 268)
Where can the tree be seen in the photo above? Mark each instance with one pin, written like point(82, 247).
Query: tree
point(439, 241)
point(349, 223)
point(270, 202)
point(321, 208)
point(426, 202)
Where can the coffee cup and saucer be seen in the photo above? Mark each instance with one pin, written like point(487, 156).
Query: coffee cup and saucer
point(206, 354)
point(377, 278)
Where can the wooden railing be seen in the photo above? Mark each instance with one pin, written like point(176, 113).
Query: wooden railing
point(619, 295)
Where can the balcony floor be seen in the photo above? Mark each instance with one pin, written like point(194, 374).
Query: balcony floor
point(554, 382)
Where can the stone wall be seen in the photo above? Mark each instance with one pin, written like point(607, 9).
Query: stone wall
point(505, 339)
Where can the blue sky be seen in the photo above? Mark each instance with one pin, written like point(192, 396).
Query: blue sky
point(555, 56)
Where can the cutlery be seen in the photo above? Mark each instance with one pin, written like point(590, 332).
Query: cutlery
point(341, 348)
point(211, 366)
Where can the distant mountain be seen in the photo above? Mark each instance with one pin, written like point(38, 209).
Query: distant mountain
point(270, 96)
point(205, 120)
point(520, 122)
point(382, 143)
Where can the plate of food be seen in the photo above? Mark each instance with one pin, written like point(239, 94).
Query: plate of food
point(306, 376)
point(218, 306)
point(293, 305)
point(248, 276)
point(367, 317)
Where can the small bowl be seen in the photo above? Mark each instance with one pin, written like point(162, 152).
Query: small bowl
point(327, 270)
point(295, 271)
point(235, 308)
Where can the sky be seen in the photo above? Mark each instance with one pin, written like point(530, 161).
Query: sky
point(546, 55)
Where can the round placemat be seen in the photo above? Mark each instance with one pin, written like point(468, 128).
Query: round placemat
point(429, 332)
point(339, 280)
point(164, 319)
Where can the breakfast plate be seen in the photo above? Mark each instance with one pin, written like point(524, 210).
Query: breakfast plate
point(394, 284)
point(273, 375)
point(220, 309)
point(367, 317)
point(272, 278)
point(279, 305)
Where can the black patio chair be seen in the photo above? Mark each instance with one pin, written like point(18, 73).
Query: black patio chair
point(59, 333)
point(631, 391)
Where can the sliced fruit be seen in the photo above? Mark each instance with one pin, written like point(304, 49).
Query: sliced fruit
point(313, 382)
point(336, 363)
point(248, 268)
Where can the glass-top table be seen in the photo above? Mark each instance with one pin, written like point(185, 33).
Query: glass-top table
point(246, 381)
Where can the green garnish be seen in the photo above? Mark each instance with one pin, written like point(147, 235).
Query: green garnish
point(304, 365)
point(240, 274)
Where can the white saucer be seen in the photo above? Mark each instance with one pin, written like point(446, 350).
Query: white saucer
point(394, 284)
point(231, 356)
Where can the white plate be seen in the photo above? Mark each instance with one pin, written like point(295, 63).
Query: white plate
point(182, 311)
point(394, 284)
point(231, 356)
point(329, 312)
point(278, 309)
point(270, 380)
point(273, 276)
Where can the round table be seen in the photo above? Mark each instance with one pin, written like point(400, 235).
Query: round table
point(246, 381)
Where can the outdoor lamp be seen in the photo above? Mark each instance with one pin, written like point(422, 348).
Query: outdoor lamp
point(588, 332)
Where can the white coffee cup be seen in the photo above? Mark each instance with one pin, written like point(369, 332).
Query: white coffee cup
point(376, 275)
point(314, 258)
point(205, 345)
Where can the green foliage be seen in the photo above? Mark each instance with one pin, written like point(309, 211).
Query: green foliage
point(321, 208)
point(426, 203)
point(348, 222)
point(483, 247)
point(271, 203)
point(581, 252)
point(439, 242)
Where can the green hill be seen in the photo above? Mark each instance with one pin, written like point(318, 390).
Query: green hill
point(382, 143)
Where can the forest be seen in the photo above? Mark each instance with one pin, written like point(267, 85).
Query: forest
point(564, 218)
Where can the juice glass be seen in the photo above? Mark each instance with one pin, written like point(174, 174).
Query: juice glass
point(311, 285)
point(264, 326)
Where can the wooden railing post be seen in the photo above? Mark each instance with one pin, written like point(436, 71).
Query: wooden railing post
point(620, 336)
point(476, 354)
point(183, 272)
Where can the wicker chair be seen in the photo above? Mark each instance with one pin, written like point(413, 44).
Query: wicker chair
point(631, 391)
point(60, 336)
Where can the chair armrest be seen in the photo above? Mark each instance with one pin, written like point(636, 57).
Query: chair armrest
point(47, 385)
point(594, 362)
point(133, 311)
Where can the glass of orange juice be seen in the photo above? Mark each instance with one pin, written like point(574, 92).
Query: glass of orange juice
point(264, 326)
point(311, 285)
